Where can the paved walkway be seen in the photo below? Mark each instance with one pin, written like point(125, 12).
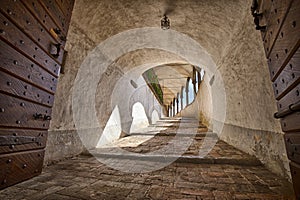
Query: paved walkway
point(224, 173)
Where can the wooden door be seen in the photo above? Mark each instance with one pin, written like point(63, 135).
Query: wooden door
point(33, 35)
point(279, 23)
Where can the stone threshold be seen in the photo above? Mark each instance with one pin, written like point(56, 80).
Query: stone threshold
point(249, 161)
point(155, 133)
point(177, 126)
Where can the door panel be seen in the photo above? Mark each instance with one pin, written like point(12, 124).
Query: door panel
point(17, 87)
point(36, 9)
point(31, 53)
point(31, 27)
point(55, 13)
point(18, 65)
point(281, 40)
point(23, 165)
point(265, 7)
point(21, 42)
point(19, 113)
point(291, 122)
point(14, 140)
point(292, 141)
point(290, 98)
point(66, 7)
point(295, 171)
point(287, 41)
point(274, 14)
point(289, 77)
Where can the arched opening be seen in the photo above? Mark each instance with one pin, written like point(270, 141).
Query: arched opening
point(154, 117)
point(139, 116)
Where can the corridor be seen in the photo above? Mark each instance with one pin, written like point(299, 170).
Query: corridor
point(224, 173)
point(160, 99)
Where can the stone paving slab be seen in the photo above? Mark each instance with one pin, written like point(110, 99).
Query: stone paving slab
point(84, 177)
point(224, 173)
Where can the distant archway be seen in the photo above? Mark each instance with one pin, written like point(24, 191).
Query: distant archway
point(154, 117)
point(139, 116)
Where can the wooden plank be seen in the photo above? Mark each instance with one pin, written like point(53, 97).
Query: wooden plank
point(291, 122)
point(55, 13)
point(40, 142)
point(21, 42)
point(265, 8)
point(69, 4)
point(292, 141)
point(63, 7)
point(28, 24)
point(290, 98)
point(16, 87)
point(18, 113)
point(276, 14)
point(66, 7)
point(15, 63)
point(287, 43)
point(289, 77)
point(21, 166)
point(37, 10)
point(295, 171)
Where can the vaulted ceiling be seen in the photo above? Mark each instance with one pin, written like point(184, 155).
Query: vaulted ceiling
point(211, 23)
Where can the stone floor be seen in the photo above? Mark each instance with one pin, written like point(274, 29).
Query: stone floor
point(237, 176)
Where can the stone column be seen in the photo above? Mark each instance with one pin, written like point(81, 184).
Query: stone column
point(199, 79)
point(194, 81)
point(177, 103)
point(174, 102)
point(187, 91)
point(181, 98)
point(168, 111)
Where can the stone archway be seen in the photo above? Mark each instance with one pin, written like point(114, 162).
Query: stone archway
point(154, 117)
point(140, 119)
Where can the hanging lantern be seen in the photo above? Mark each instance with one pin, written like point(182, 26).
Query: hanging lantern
point(165, 23)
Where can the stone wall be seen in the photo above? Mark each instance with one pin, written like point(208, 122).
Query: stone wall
point(250, 124)
point(63, 140)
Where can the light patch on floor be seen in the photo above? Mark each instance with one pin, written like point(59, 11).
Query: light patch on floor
point(112, 130)
point(131, 141)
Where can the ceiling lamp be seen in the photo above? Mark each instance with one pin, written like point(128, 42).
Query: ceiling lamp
point(165, 23)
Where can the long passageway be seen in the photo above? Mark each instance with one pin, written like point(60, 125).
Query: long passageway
point(223, 172)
